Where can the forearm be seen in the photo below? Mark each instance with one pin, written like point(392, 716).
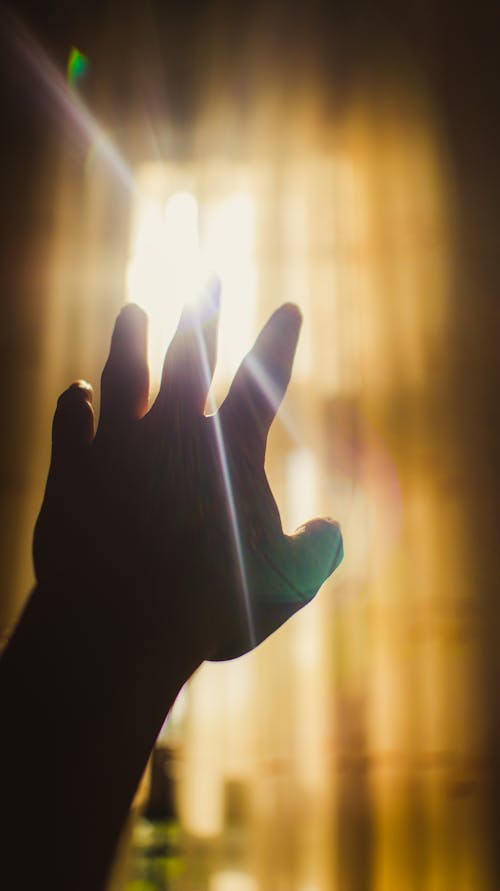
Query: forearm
point(79, 719)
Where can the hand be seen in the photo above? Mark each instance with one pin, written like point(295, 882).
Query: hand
point(169, 509)
point(159, 545)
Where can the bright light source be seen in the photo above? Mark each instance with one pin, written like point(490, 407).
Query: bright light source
point(164, 271)
point(178, 243)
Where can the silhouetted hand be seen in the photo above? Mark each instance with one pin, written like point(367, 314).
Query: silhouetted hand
point(169, 509)
point(159, 545)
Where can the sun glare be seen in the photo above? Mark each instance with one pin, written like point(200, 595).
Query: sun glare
point(178, 243)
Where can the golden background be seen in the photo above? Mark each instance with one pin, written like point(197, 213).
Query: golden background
point(358, 748)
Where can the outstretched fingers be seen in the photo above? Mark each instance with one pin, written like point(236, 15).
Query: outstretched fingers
point(262, 378)
point(190, 359)
point(125, 378)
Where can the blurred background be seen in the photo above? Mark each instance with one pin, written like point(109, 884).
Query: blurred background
point(342, 156)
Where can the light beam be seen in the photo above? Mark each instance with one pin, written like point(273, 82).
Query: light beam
point(226, 476)
point(67, 101)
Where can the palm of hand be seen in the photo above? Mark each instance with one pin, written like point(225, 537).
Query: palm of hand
point(172, 508)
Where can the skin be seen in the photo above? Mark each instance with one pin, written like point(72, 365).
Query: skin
point(139, 582)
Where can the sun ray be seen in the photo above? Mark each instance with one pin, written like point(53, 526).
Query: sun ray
point(226, 477)
point(67, 101)
point(274, 397)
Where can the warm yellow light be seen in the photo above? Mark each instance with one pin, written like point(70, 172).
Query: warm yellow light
point(165, 267)
point(177, 245)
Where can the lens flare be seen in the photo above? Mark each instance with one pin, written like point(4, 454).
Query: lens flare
point(77, 66)
point(66, 103)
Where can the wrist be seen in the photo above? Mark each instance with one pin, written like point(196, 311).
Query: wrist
point(82, 706)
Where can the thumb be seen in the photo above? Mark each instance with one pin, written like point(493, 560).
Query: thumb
point(314, 552)
point(287, 580)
